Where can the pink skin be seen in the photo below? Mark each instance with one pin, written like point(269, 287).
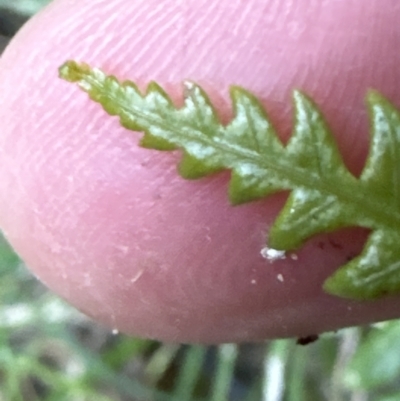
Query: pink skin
point(113, 229)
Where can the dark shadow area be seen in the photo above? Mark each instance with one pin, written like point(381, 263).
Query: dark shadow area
point(10, 21)
point(3, 43)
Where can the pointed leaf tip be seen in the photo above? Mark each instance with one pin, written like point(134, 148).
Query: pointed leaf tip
point(72, 71)
point(373, 96)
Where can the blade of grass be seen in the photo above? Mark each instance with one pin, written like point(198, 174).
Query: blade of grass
point(99, 370)
point(126, 349)
point(296, 390)
point(189, 373)
point(160, 361)
point(226, 358)
point(349, 342)
point(275, 369)
point(255, 391)
point(12, 375)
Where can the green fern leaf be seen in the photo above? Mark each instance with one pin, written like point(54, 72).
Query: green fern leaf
point(324, 195)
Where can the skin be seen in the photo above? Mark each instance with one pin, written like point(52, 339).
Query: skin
point(113, 229)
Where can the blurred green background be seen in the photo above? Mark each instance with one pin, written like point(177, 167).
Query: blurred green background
point(27, 7)
point(50, 352)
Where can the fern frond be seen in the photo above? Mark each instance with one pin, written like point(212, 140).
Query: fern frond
point(324, 195)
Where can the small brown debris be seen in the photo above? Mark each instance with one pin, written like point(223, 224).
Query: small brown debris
point(307, 339)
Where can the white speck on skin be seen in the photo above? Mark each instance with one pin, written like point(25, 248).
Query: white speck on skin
point(280, 278)
point(293, 256)
point(123, 248)
point(115, 332)
point(272, 254)
point(137, 276)
point(188, 85)
point(56, 249)
point(253, 281)
point(87, 279)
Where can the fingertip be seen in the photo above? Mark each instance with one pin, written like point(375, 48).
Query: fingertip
point(111, 227)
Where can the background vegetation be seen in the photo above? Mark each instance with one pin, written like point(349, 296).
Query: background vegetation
point(50, 352)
